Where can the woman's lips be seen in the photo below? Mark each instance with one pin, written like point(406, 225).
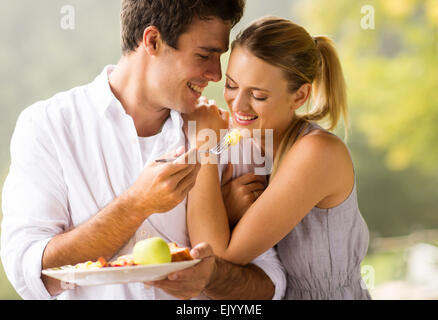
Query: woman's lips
point(244, 119)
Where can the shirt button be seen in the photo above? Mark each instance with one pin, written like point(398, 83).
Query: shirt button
point(144, 233)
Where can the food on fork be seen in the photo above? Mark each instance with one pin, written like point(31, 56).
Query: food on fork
point(233, 137)
point(230, 139)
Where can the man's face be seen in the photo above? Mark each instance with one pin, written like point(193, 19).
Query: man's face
point(180, 75)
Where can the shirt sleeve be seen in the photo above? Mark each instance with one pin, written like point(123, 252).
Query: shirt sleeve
point(271, 265)
point(34, 203)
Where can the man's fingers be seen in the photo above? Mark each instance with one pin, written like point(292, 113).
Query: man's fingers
point(179, 151)
point(227, 175)
point(250, 178)
point(188, 274)
point(188, 157)
point(201, 251)
point(257, 194)
point(224, 114)
point(190, 282)
point(187, 183)
point(173, 153)
point(182, 178)
point(202, 101)
point(255, 186)
point(183, 163)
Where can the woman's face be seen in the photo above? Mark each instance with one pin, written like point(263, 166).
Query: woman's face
point(257, 94)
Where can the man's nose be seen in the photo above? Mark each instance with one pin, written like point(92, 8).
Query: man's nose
point(214, 71)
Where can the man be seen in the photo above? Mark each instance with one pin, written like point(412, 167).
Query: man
point(83, 182)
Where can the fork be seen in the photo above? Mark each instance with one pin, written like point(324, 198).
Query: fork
point(223, 145)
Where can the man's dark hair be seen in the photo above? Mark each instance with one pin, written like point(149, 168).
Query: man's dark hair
point(171, 17)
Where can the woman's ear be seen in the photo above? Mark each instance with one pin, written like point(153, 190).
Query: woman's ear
point(301, 96)
point(152, 42)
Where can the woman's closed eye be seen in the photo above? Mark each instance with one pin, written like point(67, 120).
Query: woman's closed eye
point(259, 97)
point(229, 86)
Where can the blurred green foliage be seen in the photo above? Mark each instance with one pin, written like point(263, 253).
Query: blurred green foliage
point(388, 266)
point(391, 73)
point(391, 70)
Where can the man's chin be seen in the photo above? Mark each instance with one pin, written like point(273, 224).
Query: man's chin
point(187, 109)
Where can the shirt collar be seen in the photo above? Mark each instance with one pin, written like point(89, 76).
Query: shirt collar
point(104, 97)
point(101, 92)
point(177, 119)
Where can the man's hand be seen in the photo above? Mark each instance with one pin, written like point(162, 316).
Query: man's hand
point(162, 186)
point(189, 283)
point(240, 193)
point(217, 279)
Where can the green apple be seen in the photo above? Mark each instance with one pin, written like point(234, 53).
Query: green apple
point(151, 251)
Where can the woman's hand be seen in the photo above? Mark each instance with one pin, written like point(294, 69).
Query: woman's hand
point(240, 193)
point(206, 116)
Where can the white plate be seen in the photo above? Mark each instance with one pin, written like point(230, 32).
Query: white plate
point(112, 275)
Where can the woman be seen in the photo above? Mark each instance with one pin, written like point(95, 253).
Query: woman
point(309, 208)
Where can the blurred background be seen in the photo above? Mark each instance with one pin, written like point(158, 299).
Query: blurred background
point(389, 52)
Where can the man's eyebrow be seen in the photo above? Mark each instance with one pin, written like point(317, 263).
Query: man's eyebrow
point(252, 88)
point(214, 49)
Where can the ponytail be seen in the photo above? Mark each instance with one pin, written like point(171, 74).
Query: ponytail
point(329, 89)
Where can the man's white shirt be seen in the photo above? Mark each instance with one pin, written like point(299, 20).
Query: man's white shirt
point(71, 155)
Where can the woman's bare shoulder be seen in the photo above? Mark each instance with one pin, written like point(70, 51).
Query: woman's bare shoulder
point(321, 144)
point(326, 159)
point(324, 156)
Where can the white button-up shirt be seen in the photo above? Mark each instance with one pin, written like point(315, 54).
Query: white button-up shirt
point(71, 155)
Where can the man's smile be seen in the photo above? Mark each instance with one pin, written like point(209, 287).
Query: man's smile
point(196, 89)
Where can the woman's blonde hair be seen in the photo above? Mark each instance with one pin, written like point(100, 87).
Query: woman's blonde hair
point(304, 59)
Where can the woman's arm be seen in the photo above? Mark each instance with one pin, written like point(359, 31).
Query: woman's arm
point(316, 170)
point(207, 219)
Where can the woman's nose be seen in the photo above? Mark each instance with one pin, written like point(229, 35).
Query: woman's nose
point(240, 102)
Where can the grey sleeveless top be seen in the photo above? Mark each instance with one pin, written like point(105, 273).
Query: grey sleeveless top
point(322, 254)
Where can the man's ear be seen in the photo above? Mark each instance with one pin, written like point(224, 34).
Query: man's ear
point(301, 95)
point(152, 42)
